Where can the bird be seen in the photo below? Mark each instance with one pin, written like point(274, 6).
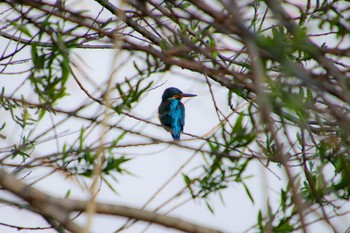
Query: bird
point(172, 112)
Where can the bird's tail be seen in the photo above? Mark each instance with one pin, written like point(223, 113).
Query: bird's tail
point(175, 135)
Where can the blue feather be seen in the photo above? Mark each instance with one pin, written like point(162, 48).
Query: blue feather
point(172, 111)
point(177, 113)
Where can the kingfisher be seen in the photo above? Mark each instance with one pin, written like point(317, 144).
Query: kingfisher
point(172, 112)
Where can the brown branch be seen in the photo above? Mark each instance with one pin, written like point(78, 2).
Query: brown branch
point(59, 209)
point(265, 109)
point(43, 204)
point(131, 23)
point(72, 17)
point(282, 16)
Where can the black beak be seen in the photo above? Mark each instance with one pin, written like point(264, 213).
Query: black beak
point(183, 95)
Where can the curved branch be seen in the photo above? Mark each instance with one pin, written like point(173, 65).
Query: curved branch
point(59, 209)
point(43, 204)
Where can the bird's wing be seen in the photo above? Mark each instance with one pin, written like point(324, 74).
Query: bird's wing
point(164, 116)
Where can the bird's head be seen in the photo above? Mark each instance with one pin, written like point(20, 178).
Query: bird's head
point(174, 93)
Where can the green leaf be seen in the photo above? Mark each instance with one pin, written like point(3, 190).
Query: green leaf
point(65, 70)
point(260, 221)
point(67, 194)
point(284, 227)
point(88, 157)
point(87, 173)
point(114, 164)
point(25, 30)
point(187, 180)
point(283, 200)
point(22, 28)
point(81, 138)
point(209, 207)
point(41, 114)
point(248, 192)
point(35, 56)
point(185, 5)
point(116, 141)
point(109, 185)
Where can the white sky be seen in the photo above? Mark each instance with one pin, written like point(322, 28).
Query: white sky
point(152, 171)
